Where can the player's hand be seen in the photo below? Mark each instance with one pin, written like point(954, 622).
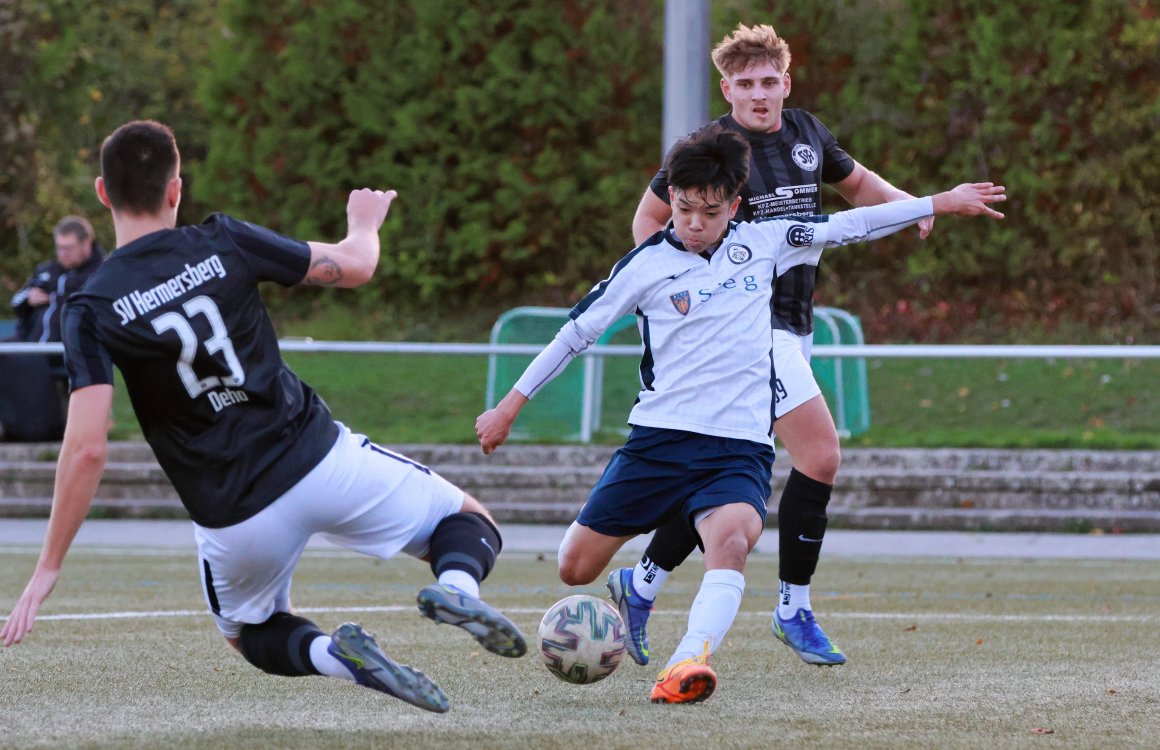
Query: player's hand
point(19, 623)
point(971, 199)
point(367, 209)
point(492, 428)
point(925, 226)
point(37, 297)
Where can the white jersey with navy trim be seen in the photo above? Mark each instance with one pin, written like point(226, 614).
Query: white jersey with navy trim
point(787, 168)
point(705, 320)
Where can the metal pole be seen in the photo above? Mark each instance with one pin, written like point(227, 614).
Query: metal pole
point(686, 97)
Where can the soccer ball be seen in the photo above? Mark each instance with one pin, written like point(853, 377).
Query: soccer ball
point(582, 639)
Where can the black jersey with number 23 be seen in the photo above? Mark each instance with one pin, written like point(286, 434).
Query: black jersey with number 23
point(179, 314)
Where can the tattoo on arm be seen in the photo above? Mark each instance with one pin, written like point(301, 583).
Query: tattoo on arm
point(324, 272)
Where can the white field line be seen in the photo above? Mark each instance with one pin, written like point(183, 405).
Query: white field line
point(925, 616)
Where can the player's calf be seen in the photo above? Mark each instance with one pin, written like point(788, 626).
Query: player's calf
point(281, 645)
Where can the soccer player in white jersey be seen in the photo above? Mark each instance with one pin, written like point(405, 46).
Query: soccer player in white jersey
point(253, 452)
point(701, 446)
point(792, 155)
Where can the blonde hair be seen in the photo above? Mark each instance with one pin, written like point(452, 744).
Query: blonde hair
point(750, 45)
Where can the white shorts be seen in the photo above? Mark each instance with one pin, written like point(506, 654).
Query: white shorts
point(360, 496)
point(795, 379)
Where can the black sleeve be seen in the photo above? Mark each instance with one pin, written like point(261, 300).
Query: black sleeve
point(836, 163)
point(660, 185)
point(85, 359)
point(270, 255)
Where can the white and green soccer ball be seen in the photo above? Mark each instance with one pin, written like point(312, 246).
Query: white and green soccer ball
point(582, 639)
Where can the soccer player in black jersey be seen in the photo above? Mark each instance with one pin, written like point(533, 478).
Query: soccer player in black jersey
point(792, 154)
point(253, 452)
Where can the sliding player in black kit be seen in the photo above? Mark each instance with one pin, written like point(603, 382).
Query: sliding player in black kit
point(253, 452)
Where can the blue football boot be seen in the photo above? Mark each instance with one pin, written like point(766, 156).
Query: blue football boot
point(634, 610)
point(803, 634)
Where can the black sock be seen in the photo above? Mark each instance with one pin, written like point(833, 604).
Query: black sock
point(801, 525)
point(672, 544)
point(281, 645)
point(467, 542)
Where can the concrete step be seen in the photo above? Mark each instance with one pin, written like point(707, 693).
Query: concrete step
point(876, 488)
point(914, 459)
point(866, 488)
point(569, 485)
point(951, 519)
point(516, 510)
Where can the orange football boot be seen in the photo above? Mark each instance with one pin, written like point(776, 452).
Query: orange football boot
point(688, 681)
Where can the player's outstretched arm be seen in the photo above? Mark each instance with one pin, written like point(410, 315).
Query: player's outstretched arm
point(970, 199)
point(865, 187)
point(352, 261)
point(78, 473)
point(494, 425)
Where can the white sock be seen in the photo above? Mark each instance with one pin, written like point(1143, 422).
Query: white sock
point(461, 580)
point(712, 613)
point(325, 662)
point(793, 597)
point(647, 578)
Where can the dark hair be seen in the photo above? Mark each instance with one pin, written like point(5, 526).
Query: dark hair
point(137, 162)
point(711, 161)
point(77, 226)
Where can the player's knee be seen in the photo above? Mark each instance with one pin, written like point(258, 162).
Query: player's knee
point(471, 505)
point(466, 541)
point(575, 576)
point(729, 533)
point(737, 544)
point(280, 645)
point(727, 551)
point(822, 463)
point(574, 570)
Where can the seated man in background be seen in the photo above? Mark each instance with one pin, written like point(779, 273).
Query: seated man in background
point(38, 303)
point(31, 397)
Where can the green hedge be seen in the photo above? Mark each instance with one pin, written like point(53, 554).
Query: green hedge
point(521, 133)
point(70, 72)
point(1058, 100)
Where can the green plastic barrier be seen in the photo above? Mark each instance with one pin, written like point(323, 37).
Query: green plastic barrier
point(576, 403)
point(843, 380)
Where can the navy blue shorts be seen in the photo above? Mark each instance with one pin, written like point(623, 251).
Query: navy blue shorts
point(662, 472)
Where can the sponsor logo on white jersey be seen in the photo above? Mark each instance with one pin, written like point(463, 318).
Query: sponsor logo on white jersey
point(799, 235)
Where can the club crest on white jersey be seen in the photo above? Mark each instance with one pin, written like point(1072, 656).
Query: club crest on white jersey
point(738, 254)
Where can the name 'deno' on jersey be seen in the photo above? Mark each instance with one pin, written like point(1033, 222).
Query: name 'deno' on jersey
point(227, 397)
point(140, 302)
